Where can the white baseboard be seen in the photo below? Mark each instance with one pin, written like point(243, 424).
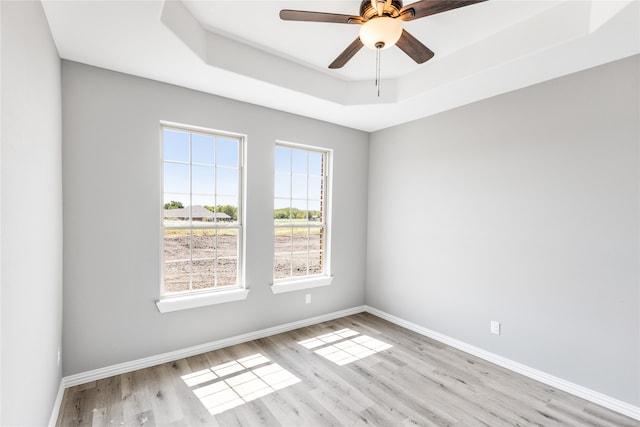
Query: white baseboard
point(575, 389)
point(122, 368)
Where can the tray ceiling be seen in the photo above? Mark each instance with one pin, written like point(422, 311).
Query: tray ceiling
point(242, 50)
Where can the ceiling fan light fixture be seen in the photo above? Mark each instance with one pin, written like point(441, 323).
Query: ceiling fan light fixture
point(381, 32)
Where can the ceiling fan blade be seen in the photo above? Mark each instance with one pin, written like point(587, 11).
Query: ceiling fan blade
point(301, 15)
point(414, 48)
point(347, 54)
point(424, 8)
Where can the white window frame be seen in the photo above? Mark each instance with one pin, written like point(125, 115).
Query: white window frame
point(297, 283)
point(209, 296)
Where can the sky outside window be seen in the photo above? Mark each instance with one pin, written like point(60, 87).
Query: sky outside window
point(200, 169)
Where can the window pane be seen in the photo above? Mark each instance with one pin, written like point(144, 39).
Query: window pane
point(283, 240)
point(227, 152)
point(177, 276)
point(177, 245)
point(301, 205)
point(228, 243)
point(201, 216)
point(282, 216)
point(282, 267)
point(227, 181)
point(316, 236)
point(299, 264)
point(315, 188)
point(203, 274)
point(299, 162)
point(283, 160)
point(176, 145)
point(315, 213)
point(299, 186)
point(300, 240)
point(226, 214)
point(203, 179)
point(176, 178)
point(202, 149)
point(315, 262)
point(203, 200)
point(282, 187)
point(227, 271)
point(204, 244)
point(227, 209)
point(282, 203)
point(175, 200)
point(174, 208)
point(315, 163)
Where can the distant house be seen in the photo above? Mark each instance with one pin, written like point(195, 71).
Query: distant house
point(198, 213)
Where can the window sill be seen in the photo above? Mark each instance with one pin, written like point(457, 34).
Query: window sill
point(298, 285)
point(184, 302)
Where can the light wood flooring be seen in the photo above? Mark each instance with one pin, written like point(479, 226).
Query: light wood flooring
point(357, 370)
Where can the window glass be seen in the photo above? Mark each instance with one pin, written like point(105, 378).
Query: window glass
point(176, 145)
point(203, 149)
point(201, 227)
point(300, 228)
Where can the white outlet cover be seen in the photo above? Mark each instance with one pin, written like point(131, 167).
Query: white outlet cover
point(495, 327)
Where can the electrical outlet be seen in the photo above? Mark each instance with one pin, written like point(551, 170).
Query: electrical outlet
point(307, 298)
point(495, 327)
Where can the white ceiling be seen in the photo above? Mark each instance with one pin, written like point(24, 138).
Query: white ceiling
point(242, 50)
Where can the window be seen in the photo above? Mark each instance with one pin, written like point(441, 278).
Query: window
point(300, 215)
point(202, 211)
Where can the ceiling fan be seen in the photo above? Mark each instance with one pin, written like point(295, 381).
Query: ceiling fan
point(381, 25)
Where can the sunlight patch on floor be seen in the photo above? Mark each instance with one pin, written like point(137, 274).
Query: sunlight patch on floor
point(235, 383)
point(344, 346)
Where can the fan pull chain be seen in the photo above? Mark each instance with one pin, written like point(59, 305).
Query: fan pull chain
point(378, 81)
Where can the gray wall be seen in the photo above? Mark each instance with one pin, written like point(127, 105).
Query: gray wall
point(524, 209)
point(31, 216)
point(111, 158)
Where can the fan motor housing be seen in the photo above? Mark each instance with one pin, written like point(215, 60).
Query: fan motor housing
point(367, 11)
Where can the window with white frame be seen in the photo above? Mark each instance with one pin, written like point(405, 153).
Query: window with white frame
point(202, 210)
point(300, 215)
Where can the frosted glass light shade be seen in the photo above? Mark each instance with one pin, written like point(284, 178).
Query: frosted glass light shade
point(381, 30)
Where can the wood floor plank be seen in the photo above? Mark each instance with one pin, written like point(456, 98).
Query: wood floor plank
point(134, 400)
point(358, 370)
